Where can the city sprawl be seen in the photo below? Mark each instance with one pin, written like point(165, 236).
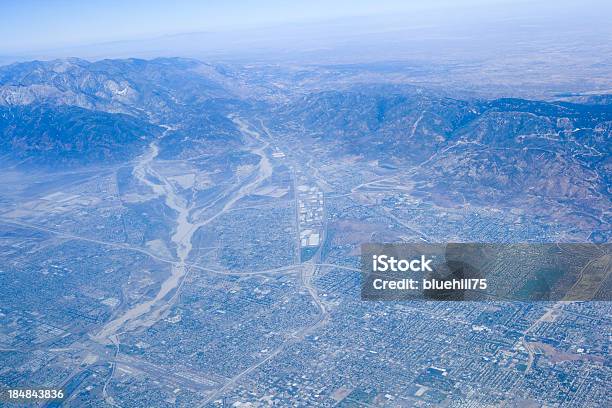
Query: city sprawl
point(177, 233)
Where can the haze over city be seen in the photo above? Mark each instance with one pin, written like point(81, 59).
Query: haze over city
point(191, 195)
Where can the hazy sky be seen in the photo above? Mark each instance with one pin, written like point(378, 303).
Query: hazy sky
point(31, 25)
point(52, 27)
